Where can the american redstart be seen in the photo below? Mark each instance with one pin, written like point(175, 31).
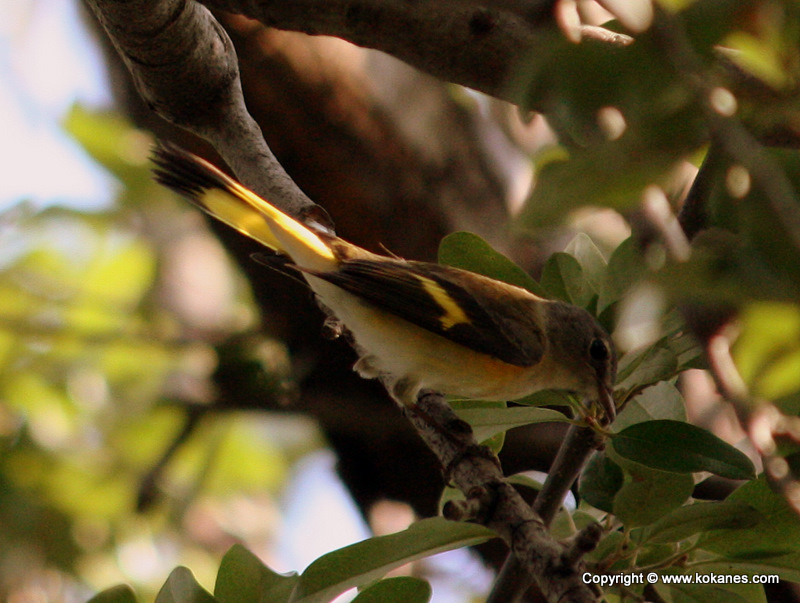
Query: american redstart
point(417, 325)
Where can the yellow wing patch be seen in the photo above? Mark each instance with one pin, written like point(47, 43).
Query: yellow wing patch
point(283, 222)
point(229, 209)
point(227, 200)
point(452, 312)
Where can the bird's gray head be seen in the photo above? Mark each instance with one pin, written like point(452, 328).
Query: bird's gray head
point(582, 347)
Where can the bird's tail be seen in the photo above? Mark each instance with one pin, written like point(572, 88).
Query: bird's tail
point(225, 199)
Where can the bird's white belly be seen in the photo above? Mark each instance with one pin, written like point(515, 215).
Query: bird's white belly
point(399, 351)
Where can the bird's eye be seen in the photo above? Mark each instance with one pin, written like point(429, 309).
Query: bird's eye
point(598, 350)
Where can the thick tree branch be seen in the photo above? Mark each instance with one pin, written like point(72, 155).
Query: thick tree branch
point(475, 47)
point(185, 68)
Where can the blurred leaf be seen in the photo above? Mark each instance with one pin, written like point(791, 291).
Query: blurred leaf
point(706, 23)
point(242, 578)
point(486, 422)
point(120, 273)
point(470, 252)
point(366, 561)
point(592, 262)
point(121, 593)
point(767, 352)
point(113, 142)
point(600, 481)
point(724, 270)
point(181, 587)
point(549, 397)
point(562, 278)
point(401, 589)
point(689, 520)
point(640, 368)
point(766, 218)
point(242, 437)
point(626, 267)
point(648, 495)
point(680, 447)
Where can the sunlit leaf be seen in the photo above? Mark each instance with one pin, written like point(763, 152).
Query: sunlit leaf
point(361, 563)
point(767, 352)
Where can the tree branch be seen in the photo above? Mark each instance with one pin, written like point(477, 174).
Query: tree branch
point(556, 567)
point(185, 68)
point(573, 454)
point(479, 47)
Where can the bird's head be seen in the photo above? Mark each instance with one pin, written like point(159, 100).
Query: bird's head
point(584, 352)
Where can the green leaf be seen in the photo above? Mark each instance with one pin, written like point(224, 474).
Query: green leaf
point(242, 578)
point(364, 562)
point(648, 495)
point(659, 401)
point(600, 481)
point(626, 267)
point(680, 447)
point(776, 539)
point(525, 481)
point(689, 520)
point(711, 593)
point(487, 422)
point(723, 269)
point(767, 352)
point(122, 593)
point(401, 589)
point(113, 142)
point(591, 259)
point(470, 252)
point(181, 587)
point(640, 368)
point(562, 278)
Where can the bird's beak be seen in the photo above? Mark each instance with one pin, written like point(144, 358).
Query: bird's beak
point(605, 396)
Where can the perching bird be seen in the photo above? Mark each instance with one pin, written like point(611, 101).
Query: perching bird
point(417, 325)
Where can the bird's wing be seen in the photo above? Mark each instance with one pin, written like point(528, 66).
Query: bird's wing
point(225, 199)
point(474, 311)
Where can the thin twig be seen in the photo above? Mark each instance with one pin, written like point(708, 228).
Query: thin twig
point(575, 450)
